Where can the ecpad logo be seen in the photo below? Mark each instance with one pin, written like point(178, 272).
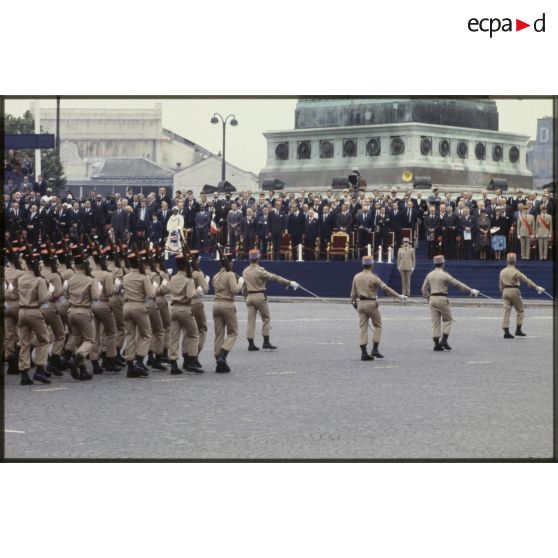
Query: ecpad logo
point(493, 25)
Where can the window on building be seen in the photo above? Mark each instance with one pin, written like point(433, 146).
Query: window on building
point(543, 137)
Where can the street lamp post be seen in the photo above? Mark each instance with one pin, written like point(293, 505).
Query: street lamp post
point(233, 122)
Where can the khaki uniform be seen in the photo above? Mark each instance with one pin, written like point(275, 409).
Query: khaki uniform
point(11, 310)
point(525, 230)
point(82, 290)
point(406, 265)
point(225, 285)
point(105, 323)
point(117, 305)
point(33, 293)
point(255, 279)
point(435, 288)
point(63, 305)
point(181, 292)
point(198, 309)
point(164, 311)
point(510, 280)
point(137, 287)
point(51, 313)
point(365, 288)
point(157, 332)
point(543, 233)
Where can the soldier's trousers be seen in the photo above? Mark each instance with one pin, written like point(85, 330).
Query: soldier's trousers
point(11, 317)
point(31, 321)
point(105, 330)
point(83, 329)
point(198, 312)
point(525, 242)
point(182, 319)
point(369, 310)
point(63, 306)
point(512, 298)
point(543, 248)
point(224, 316)
point(54, 321)
point(157, 332)
point(138, 330)
point(118, 311)
point(165, 318)
point(405, 282)
point(257, 302)
point(440, 312)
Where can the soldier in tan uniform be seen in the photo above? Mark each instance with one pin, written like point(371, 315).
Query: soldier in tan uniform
point(137, 287)
point(255, 279)
point(105, 323)
point(12, 273)
point(525, 232)
point(116, 267)
point(182, 291)
point(364, 299)
point(164, 309)
point(156, 344)
point(543, 232)
point(66, 270)
point(33, 293)
point(198, 311)
point(82, 290)
point(435, 289)
point(406, 265)
point(226, 285)
point(509, 282)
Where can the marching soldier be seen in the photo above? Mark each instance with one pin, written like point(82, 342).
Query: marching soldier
point(255, 279)
point(82, 290)
point(202, 288)
point(66, 270)
point(406, 264)
point(525, 231)
point(50, 311)
point(33, 294)
point(435, 289)
point(509, 282)
point(157, 342)
point(543, 231)
point(226, 285)
point(364, 299)
point(164, 308)
point(12, 273)
point(103, 316)
point(182, 290)
point(137, 287)
point(116, 267)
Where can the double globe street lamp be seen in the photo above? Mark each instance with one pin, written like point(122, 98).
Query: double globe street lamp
point(233, 122)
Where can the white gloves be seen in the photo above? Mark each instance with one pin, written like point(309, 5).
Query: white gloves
point(10, 287)
point(294, 285)
point(474, 292)
point(403, 297)
point(50, 288)
point(164, 283)
point(207, 279)
point(241, 281)
point(100, 286)
point(540, 290)
point(65, 284)
point(155, 284)
point(117, 283)
point(199, 290)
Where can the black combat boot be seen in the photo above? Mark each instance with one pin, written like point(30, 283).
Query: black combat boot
point(375, 352)
point(165, 356)
point(437, 345)
point(157, 364)
point(119, 358)
point(40, 375)
point(83, 374)
point(519, 333)
point(140, 365)
point(190, 366)
point(74, 364)
point(507, 334)
point(267, 344)
point(50, 364)
point(96, 367)
point(196, 360)
point(444, 342)
point(222, 366)
point(150, 358)
point(251, 346)
point(174, 368)
point(109, 364)
point(55, 366)
point(12, 365)
point(66, 360)
point(365, 355)
point(134, 371)
point(25, 379)
point(184, 361)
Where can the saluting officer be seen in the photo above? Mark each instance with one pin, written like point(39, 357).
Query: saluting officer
point(226, 285)
point(435, 289)
point(255, 279)
point(406, 262)
point(509, 282)
point(33, 293)
point(364, 299)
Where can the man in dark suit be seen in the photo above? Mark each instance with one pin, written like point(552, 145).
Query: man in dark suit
point(396, 222)
point(164, 216)
point(410, 214)
point(450, 224)
point(143, 214)
point(88, 218)
point(295, 227)
point(249, 230)
point(119, 222)
point(33, 225)
point(155, 231)
point(264, 234)
point(327, 221)
point(364, 227)
point(47, 220)
point(202, 221)
point(311, 234)
point(40, 187)
point(275, 221)
point(345, 220)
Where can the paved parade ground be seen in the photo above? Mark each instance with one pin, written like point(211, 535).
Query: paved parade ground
point(312, 397)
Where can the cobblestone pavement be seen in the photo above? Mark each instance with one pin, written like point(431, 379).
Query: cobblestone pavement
point(312, 397)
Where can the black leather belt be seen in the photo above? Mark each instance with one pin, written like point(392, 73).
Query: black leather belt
point(510, 287)
point(180, 304)
point(438, 294)
point(365, 298)
point(255, 292)
point(28, 307)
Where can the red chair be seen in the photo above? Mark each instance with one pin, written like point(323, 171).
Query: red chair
point(338, 245)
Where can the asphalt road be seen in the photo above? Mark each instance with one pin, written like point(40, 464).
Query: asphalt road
point(312, 397)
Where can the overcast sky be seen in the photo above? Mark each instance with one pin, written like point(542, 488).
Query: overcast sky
point(246, 146)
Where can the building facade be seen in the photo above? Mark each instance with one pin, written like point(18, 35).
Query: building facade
point(539, 158)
